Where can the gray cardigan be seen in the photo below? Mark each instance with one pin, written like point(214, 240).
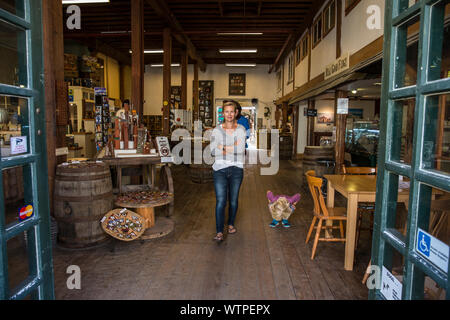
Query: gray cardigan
point(221, 137)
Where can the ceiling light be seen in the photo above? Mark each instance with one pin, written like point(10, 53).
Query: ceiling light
point(238, 50)
point(240, 64)
point(151, 51)
point(114, 32)
point(154, 51)
point(159, 65)
point(239, 33)
point(354, 91)
point(83, 1)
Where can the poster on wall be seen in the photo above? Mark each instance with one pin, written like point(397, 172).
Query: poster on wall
point(236, 85)
point(325, 118)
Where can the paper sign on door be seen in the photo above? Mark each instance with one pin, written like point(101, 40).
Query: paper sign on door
point(19, 145)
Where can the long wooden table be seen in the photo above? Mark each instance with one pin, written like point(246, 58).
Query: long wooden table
point(356, 188)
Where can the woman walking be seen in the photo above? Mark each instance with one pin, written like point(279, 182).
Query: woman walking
point(228, 148)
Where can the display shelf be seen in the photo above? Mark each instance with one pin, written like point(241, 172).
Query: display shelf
point(206, 102)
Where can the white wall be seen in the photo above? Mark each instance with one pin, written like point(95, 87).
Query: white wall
point(259, 84)
point(302, 128)
point(301, 73)
point(355, 33)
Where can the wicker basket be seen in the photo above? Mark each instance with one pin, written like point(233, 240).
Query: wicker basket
point(123, 224)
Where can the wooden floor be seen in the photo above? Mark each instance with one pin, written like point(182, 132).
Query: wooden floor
point(258, 262)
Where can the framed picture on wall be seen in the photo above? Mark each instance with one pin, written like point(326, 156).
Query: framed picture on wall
point(325, 117)
point(236, 86)
point(356, 113)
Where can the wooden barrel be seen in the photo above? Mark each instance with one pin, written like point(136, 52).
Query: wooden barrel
point(286, 146)
point(201, 173)
point(83, 195)
point(319, 159)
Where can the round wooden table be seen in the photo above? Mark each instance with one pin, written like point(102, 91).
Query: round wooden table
point(154, 228)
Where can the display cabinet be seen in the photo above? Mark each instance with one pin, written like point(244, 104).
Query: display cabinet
point(361, 141)
point(153, 124)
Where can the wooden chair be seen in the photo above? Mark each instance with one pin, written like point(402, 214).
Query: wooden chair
point(363, 208)
point(310, 173)
point(323, 214)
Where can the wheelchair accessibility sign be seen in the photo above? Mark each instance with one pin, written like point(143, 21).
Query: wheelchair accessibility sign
point(432, 249)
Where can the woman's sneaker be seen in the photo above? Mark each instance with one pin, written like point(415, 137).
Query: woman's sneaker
point(286, 223)
point(274, 223)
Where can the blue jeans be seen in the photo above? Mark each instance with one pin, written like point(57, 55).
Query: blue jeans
point(227, 183)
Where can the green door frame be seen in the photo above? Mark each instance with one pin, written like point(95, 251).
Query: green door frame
point(39, 284)
point(420, 172)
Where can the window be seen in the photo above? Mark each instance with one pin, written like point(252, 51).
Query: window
point(279, 80)
point(329, 18)
point(290, 68)
point(317, 31)
point(304, 46)
point(350, 4)
point(298, 56)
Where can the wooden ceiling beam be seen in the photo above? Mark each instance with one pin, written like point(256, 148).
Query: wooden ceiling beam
point(162, 10)
point(220, 8)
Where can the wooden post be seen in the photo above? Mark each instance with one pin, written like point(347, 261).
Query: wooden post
point(56, 106)
point(184, 66)
point(341, 122)
point(295, 129)
point(277, 117)
point(167, 44)
point(338, 28)
point(137, 57)
point(196, 88)
point(310, 128)
point(284, 109)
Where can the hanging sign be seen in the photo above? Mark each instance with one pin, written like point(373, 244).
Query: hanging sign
point(26, 212)
point(342, 106)
point(341, 64)
point(100, 91)
point(432, 249)
point(310, 112)
point(19, 145)
point(391, 288)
